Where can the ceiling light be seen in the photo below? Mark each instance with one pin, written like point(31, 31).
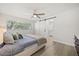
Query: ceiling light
point(34, 16)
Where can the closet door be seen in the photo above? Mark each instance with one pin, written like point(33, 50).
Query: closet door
point(45, 27)
point(50, 27)
point(43, 30)
point(40, 28)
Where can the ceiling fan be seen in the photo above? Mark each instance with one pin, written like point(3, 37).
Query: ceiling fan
point(37, 14)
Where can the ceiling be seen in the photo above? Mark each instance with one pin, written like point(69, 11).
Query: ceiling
point(25, 10)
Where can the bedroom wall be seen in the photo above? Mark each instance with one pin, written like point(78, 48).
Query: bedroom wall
point(64, 26)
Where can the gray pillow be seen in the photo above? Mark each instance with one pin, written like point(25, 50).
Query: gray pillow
point(15, 36)
point(20, 36)
point(8, 38)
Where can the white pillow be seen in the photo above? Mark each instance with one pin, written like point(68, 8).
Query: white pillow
point(8, 38)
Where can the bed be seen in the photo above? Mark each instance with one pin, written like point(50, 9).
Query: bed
point(34, 47)
point(23, 47)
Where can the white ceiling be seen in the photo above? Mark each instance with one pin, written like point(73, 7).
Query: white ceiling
point(25, 10)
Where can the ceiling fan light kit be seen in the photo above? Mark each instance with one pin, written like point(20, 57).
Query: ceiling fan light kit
point(34, 16)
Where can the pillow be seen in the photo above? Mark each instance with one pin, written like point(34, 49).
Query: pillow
point(20, 36)
point(8, 38)
point(14, 37)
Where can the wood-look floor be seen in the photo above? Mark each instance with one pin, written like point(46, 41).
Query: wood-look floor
point(56, 49)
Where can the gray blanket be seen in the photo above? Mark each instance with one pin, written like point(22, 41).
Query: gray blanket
point(40, 40)
point(12, 49)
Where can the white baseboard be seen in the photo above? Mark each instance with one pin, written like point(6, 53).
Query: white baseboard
point(64, 43)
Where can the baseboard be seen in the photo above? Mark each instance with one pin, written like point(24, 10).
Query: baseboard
point(64, 43)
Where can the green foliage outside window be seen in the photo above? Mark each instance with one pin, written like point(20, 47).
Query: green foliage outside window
point(18, 25)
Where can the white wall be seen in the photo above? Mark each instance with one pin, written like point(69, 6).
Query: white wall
point(64, 26)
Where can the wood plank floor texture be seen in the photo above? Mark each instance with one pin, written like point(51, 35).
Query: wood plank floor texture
point(56, 49)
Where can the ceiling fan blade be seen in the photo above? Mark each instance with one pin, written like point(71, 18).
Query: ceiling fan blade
point(41, 14)
point(50, 18)
point(38, 16)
